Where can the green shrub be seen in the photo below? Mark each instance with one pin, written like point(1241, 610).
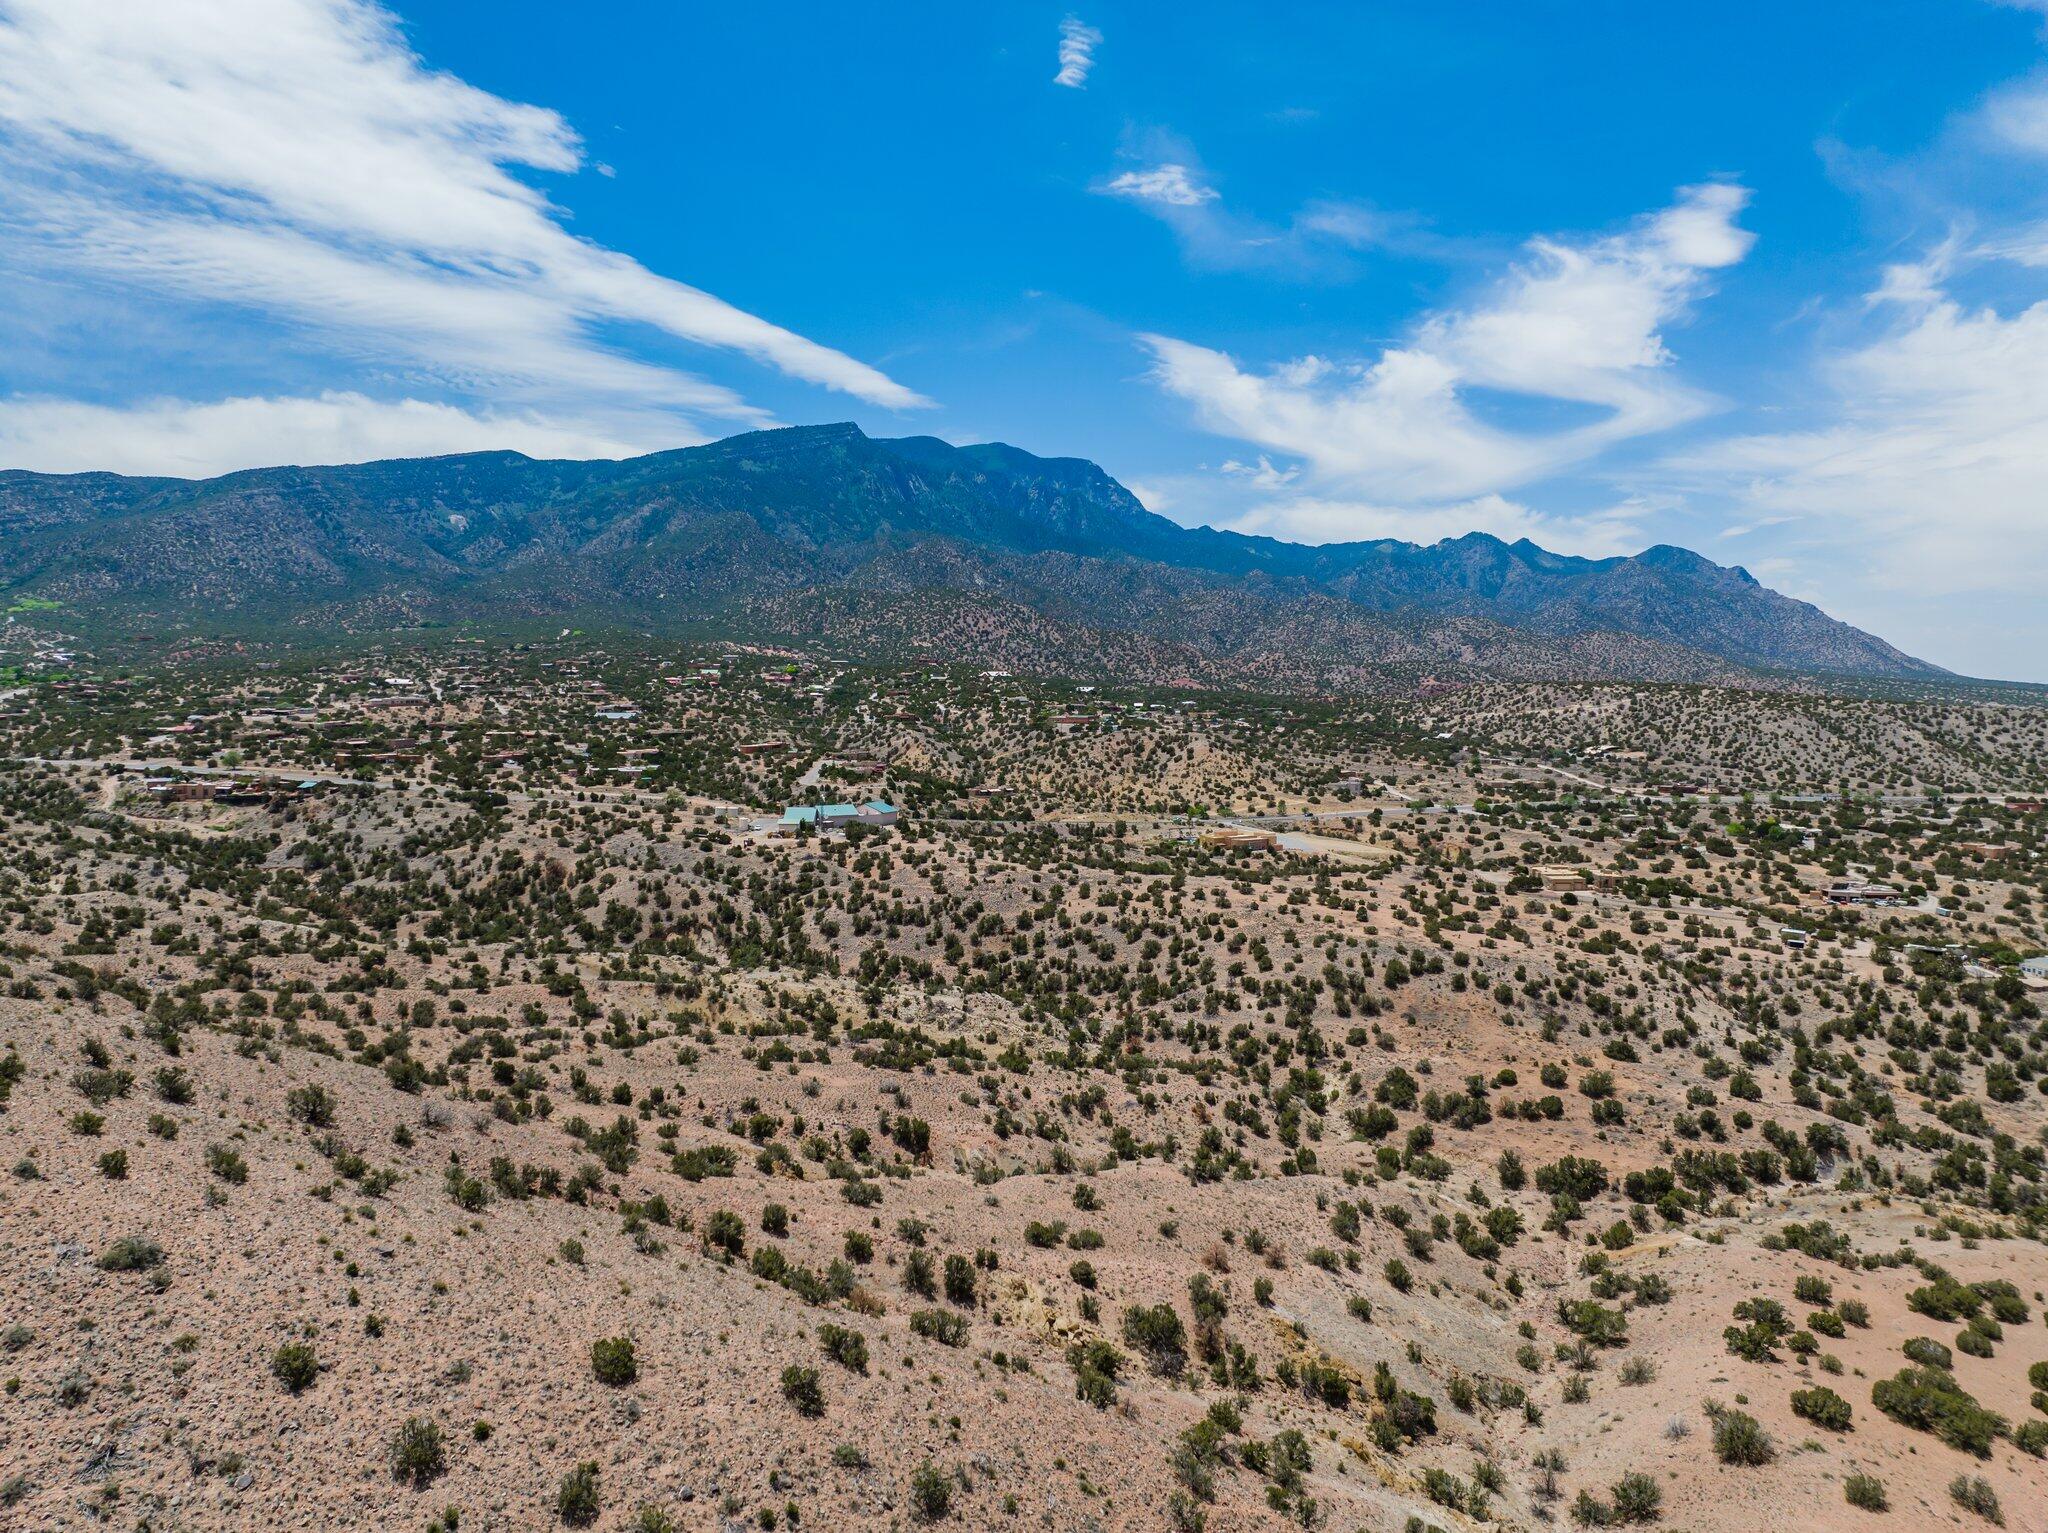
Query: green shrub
point(1973, 1493)
point(226, 1162)
point(1739, 1438)
point(941, 1325)
point(576, 1502)
point(800, 1388)
point(725, 1231)
point(1157, 1332)
point(311, 1104)
point(612, 1360)
point(1823, 1407)
point(1637, 1498)
point(1865, 1491)
point(1929, 1400)
point(847, 1348)
point(418, 1453)
point(295, 1366)
point(931, 1493)
point(131, 1253)
point(1928, 1352)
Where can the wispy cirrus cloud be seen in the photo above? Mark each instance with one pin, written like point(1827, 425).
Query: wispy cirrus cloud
point(1078, 42)
point(296, 157)
point(1171, 185)
point(1574, 324)
point(1321, 239)
point(196, 440)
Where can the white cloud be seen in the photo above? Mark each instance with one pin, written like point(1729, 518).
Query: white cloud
point(1078, 42)
point(1261, 475)
point(1929, 466)
point(191, 440)
point(1572, 324)
point(1321, 239)
point(1174, 185)
point(297, 157)
point(1313, 519)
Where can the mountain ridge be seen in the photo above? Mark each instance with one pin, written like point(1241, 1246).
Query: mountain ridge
point(724, 528)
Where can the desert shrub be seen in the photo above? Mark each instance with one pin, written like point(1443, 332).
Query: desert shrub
point(1637, 1498)
point(612, 1361)
point(931, 1493)
point(1739, 1438)
point(1157, 1332)
point(1930, 1400)
point(1945, 1299)
point(226, 1162)
point(1823, 1407)
point(960, 1281)
point(311, 1104)
point(114, 1165)
point(1865, 1491)
point(576, 1501)
point(295, 1366)
point(1598, 1324)
point(418, 1453)
point(1973, 1343)
point(1973, 1493)
point(131, 1253)
point(941, 1325)
point(724, 1231)
point(1096, 1365)
point(1927, 1352)
point(801, 1389)
point(775, 1219)
point(847, 1348)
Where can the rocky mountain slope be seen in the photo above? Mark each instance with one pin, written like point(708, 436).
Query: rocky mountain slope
point(813, 520)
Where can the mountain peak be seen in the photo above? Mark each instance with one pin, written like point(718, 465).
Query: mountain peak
point(713, 530)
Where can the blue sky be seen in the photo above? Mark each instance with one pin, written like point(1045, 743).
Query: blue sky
point(1768, 281)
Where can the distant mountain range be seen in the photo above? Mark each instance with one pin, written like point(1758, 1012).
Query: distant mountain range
point(911, 546)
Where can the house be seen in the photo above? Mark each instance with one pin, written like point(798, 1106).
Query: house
point(2034, 971)
point(178, 790)
point(1239, 838)
point(1858, 891)
point(762, 747)
point(835, 816)
point(1562, 878)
